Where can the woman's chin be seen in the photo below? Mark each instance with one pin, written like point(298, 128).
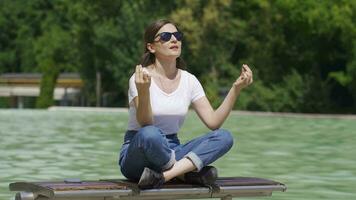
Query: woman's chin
point(173, 56)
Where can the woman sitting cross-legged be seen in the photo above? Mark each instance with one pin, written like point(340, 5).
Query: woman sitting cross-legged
point(160, 93)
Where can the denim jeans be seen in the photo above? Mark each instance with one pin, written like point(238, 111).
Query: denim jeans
point(149, 147)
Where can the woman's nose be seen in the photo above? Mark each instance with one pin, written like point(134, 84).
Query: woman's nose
point(173, 38)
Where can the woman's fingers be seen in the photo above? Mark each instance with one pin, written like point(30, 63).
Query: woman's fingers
point(249, 73)
point(140, 73)
point(249, 77)
point(244, 67)
point(146, 77)
point(247, 68)
point(245, 77)
point(136, 73)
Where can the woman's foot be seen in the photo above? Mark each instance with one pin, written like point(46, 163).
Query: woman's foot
point(150, 179)
point(206, 176)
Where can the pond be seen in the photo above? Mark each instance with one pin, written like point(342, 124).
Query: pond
point(314, 157)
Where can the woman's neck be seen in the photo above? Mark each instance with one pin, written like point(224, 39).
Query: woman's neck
point(166, 68)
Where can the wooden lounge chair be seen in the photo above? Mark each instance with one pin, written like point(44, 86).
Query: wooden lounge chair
point(224, 188)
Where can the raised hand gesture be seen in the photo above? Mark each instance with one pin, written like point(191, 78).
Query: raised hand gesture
point(244, 79)
point(142, 79)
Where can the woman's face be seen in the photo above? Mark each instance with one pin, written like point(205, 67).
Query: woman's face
point(170, 48)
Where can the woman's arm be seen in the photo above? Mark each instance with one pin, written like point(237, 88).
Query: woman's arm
point(214, 119)
point(142, 101)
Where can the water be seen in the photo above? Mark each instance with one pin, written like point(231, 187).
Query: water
point(314, 157)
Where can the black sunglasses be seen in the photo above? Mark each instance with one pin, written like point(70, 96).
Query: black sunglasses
point(166, 36)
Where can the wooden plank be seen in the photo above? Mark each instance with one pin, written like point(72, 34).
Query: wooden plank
point(32, 187)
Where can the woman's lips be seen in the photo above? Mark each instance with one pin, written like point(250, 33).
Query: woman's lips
point(174, 47)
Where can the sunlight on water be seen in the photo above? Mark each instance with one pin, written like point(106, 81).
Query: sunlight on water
point(314, 157)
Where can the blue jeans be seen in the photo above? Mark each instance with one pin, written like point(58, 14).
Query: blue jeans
point(149, 147)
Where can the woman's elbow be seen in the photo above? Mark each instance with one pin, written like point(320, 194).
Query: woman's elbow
point(144, 122)
point(213, 126)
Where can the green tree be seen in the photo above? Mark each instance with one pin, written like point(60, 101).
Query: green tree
point(303, 53)
point(53, 49)
point(311, 40)
point(109, 40)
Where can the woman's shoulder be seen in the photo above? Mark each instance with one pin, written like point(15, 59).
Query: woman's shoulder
point(132, 77)
point(189, 76)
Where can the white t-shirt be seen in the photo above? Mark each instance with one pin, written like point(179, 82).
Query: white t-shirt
point(168, 110)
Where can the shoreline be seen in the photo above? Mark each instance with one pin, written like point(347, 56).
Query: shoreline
point(234, 112)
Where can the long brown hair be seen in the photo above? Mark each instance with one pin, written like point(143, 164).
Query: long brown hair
point(148, 58)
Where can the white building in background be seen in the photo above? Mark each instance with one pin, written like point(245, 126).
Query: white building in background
point(18, 86)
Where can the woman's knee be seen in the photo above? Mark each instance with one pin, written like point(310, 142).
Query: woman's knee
point(149, 133)
point(226, 138)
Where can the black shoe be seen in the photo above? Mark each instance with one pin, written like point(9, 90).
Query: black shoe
point(206, 176)
point(150, 179)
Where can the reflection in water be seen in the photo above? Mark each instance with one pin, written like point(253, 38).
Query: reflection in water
point(314, 157)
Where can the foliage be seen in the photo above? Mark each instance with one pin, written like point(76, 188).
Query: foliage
point(303, 53)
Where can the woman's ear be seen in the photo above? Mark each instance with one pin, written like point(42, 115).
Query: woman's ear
point(150, 48)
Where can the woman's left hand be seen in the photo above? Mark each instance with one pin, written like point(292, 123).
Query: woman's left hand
point(245, 78)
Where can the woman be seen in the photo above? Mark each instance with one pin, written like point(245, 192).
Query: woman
point(160, 93)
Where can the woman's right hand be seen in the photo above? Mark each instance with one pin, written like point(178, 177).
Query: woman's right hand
point(142, 102)
point(142, 79)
